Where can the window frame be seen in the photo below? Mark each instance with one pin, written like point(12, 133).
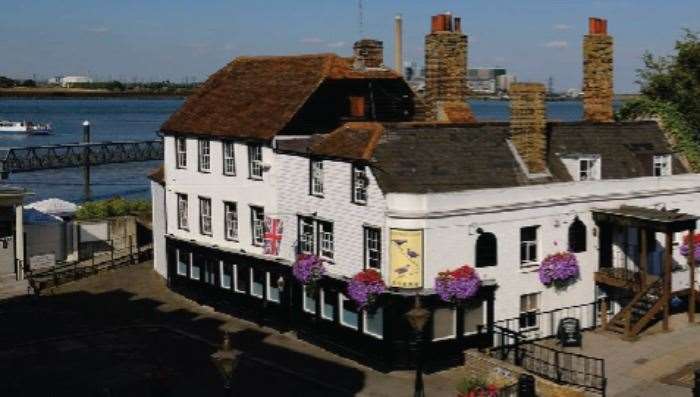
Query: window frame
point(180, 155)
point(454, 324)
point(228, 160)
point(368, 249)
point(222, 272)
point(342, 299)
point(192, 273)
point(525, 314)
point(305, 296)
point(303, 238)
point(252, 281)
point(204, 156)
point(359, 172)
point(573, 244)
point(664, 163)
point(322, 242)
point(228, 222)
point(178, 253)
point(183, 218)
point(365, 321)
point(322, 298)
point(203, 216)
point(255, 162)
point(483, 309)
point(528, 262)
point(236, 284)
point(269, 287)
point(589, 174)
point(253, 220)
point(316, 178)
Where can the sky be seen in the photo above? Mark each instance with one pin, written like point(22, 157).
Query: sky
point(191, 39)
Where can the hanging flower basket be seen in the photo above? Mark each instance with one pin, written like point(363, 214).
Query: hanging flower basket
point(308, 269)
point(365, 287)
point(560, 269)
point(696, 247)
point(457, 285)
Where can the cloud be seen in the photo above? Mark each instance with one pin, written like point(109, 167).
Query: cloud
point(336, 44)
point(561, 26)
point(311, 40)
point(98, 29)
point(558, 44)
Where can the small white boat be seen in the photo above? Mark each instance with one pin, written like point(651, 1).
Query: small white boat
point(25, 127)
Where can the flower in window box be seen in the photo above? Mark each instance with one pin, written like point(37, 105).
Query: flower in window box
point(560, 269)
point(696, 247)
point(308, 269)
point(365, 287)
point(457, 285)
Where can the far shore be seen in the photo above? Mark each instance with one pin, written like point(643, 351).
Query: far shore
point(58, 93)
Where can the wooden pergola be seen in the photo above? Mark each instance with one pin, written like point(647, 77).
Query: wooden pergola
point(663, 221)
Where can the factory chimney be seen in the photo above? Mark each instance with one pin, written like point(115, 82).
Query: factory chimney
point(398, 49)
point(598, 72)
point(446, 90)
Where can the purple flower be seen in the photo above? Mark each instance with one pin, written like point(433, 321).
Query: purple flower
point(684, 251)
point(559, 269)
point(363, 293)
point(308, 269)
point(457, 285)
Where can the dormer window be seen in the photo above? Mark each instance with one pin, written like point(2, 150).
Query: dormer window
point(662, 165)
point(586, 169)
point(316, 180)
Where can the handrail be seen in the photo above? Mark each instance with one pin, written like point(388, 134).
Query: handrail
point(624, 313)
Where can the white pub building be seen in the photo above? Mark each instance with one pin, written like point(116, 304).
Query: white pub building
point(317, 154)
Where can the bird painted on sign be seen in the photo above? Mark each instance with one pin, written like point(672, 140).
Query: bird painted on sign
point(402, 269)
point(399, 242)
point(411, 253)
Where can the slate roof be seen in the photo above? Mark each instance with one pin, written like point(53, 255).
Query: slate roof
point(435, 157)
point(256, 97)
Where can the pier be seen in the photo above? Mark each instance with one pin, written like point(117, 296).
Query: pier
point(38, 158)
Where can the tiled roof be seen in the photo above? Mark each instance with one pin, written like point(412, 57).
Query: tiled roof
point(443, 157)
point(256, 97)
point(158, 175)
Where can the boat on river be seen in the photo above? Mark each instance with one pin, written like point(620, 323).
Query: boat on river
point(25, 127)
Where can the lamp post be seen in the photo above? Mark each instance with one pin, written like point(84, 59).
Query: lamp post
point(417, 317)
point(226, 360)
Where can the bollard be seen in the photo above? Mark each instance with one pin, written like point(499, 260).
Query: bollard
point(526, 386)
point(696, 387)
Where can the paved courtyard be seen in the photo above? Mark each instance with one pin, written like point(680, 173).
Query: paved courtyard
point(115, 333)
point(658, 364)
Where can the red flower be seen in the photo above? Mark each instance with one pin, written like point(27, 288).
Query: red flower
point(368, 276)
point(696, 240)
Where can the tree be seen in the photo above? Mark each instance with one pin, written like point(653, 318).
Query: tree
point(675, 78)
point(28, 83)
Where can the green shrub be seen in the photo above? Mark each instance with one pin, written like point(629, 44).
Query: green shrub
point(113, 207)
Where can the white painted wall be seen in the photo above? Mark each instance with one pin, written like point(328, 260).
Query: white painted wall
point(450, 222)
point(219, 188)
point(160, 263)
point(336, 205)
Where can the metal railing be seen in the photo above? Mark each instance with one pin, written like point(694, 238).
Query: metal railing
point(66, 272)
point(36, 158)
point(543, 324)
point(559, 366)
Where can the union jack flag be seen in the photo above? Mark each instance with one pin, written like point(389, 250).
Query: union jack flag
point(272, 236)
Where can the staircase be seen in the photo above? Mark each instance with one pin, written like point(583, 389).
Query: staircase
point(632, 320)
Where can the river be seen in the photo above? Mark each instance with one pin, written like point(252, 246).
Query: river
point(137, 119)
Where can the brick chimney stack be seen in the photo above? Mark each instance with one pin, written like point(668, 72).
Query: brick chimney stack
point(598, 72)
point(529, 124)
point(446, 90)
point(368, 53)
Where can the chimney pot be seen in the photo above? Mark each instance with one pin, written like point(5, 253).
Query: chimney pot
point(458, 24)
point(597, 26)
point(441, 23)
